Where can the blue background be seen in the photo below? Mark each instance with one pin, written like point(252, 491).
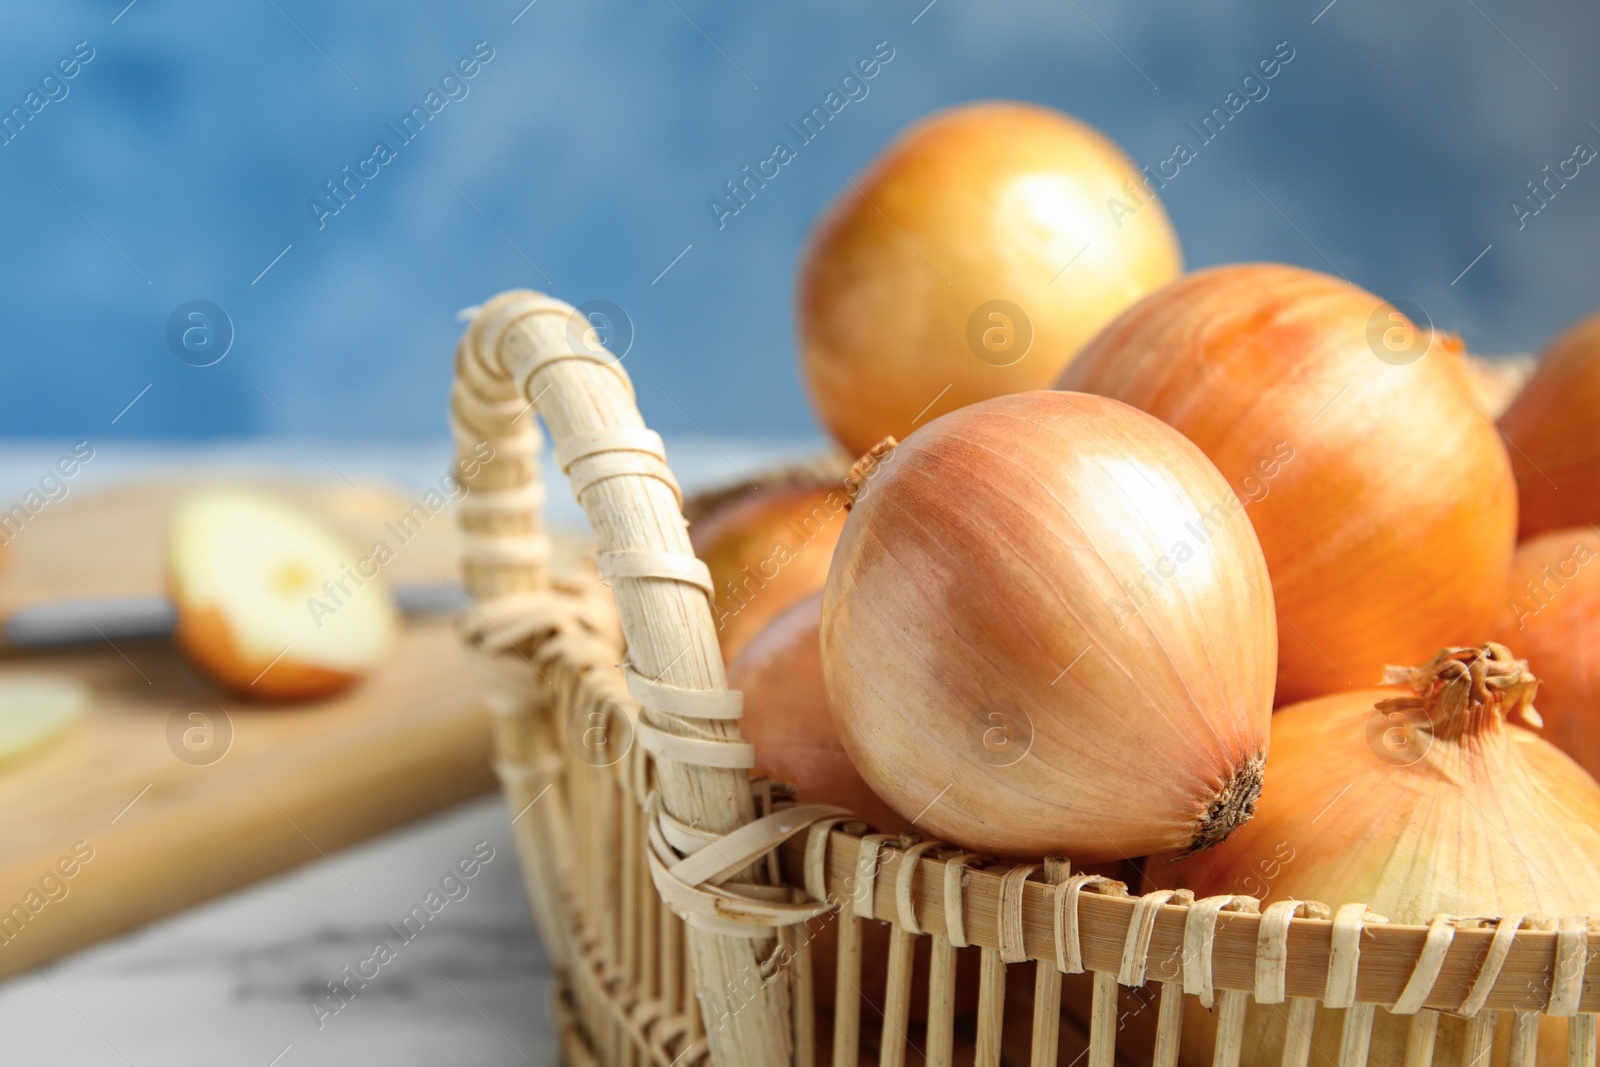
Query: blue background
point(182, 160)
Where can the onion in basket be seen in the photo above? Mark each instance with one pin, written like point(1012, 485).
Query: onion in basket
point(1552, 616)
point(786, 716)
point(972, 259)
point(766, 550)
point(1389, 527)
point(1556, 437)
point(1415, 804)
point(1035, 642)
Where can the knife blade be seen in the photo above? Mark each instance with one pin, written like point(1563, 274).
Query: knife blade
point(70, 623)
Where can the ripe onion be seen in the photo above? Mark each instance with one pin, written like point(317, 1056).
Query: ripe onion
point(972, 259)
point(1383, 497)
point(767, 549)
point(1552, 616)
point(1555, 437)
point(269, 603)
point(786, 716)
point(1416, 805)
point(1030, 649)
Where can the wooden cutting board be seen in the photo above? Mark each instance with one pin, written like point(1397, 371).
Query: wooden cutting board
point(291, 786)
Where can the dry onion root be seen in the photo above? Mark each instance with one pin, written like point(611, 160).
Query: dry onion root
point(1417, 804)
point(1030, 644)
point(1389, 533)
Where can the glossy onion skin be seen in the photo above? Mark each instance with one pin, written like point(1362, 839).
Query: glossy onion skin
point(1458, 831)
point(786, 716)
point(766, 550)
point(980, 575)
point(1554, 425)
point(1555, 625)
point(1390, 533)
point(1000, 198)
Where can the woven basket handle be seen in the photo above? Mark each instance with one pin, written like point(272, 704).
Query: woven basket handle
point(524, 351)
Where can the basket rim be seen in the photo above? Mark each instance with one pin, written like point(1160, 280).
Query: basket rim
point(1523, 979)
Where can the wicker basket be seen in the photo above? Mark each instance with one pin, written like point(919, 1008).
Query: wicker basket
point(677, 899)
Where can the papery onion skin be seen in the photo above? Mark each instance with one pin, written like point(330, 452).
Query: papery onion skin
point(1495, 380)
point(980, 203)
point(1369, 805)
point(786, 716)
point(1552, 616)
point(1499, 380)
point(978, 675)
point(1389, 534)
point(766, 550)
point(1555, 434)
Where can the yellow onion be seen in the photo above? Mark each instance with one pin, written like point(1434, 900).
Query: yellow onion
point(1031, 648)
point(766, 550)
point(1416, 804)
point(973, 258)
point(1552, 616)
point(1555, 436)
point(786, 716)
point(1382, 495)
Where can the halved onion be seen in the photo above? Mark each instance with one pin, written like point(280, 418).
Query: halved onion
point(270, 604)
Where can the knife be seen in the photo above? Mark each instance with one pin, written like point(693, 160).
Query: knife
point(69, 623)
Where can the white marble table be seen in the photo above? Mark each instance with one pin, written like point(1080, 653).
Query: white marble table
point(232, 983)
